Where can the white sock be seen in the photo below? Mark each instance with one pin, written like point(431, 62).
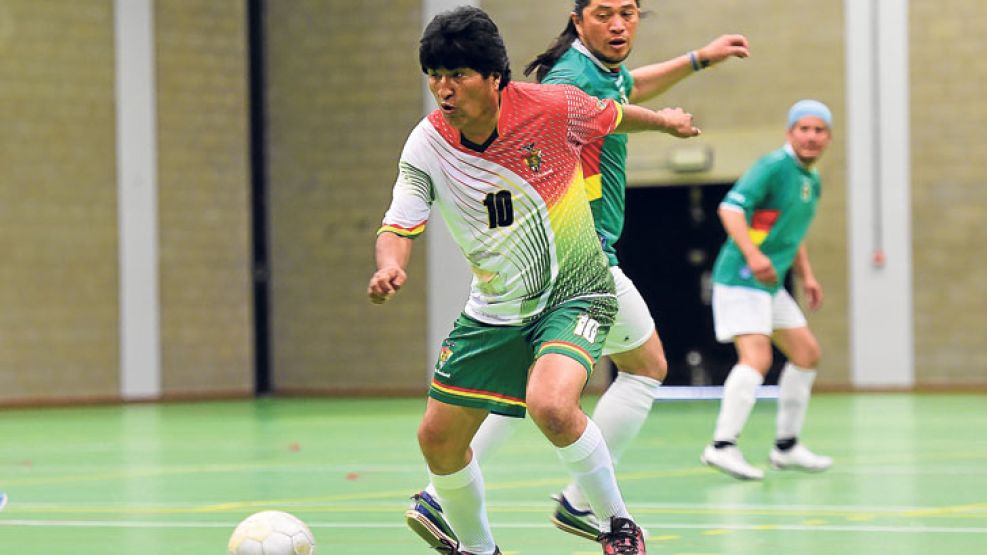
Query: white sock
point(619, 414)
point(739, 395)
point(461, 496)
point(588, 460)
point(795, 387)
point(493, 433)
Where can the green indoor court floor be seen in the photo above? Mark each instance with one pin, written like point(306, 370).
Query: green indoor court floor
point(152, 479)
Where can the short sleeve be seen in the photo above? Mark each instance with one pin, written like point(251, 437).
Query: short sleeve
point(751, 189)
point(589, 117)
point(412, 196)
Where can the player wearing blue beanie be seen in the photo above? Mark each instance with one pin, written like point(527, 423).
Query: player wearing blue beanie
point(809, 107)
point(766, 215)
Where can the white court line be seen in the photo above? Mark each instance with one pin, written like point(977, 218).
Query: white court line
point(124, 505)
point(514, 526)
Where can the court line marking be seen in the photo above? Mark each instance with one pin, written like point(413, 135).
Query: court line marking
point(515, 526)
point(975, 510)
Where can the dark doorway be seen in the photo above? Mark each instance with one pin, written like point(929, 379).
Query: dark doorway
point(671, 238)
point(258, 205)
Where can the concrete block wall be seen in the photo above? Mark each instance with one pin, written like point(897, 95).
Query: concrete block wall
point(344, 91)
point(58, 279)
point(949, 197)
point(204, 197)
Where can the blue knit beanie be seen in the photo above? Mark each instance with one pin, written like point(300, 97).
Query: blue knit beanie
point(804, 108)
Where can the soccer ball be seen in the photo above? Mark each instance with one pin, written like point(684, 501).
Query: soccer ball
point(271, 533)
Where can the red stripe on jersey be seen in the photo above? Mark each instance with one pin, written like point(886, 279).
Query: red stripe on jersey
point(764, 220)
point(590, 158)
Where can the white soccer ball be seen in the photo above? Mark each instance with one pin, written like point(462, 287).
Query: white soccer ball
point(271, 533)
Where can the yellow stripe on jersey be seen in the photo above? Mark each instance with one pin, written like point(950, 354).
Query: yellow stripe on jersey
point(594, 187)
point(401, 231)
point(757, 236)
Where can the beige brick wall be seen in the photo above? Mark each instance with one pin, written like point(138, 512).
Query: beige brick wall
point(949, 165)
point(344, 91)
point(58, 279)
point(791, 59)
point(204, 197)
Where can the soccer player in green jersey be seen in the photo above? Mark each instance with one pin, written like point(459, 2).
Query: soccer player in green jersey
point(589, 54)
point(766, 215)
point(501, 162)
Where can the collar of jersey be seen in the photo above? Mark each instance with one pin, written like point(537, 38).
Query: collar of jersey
point(581, 48)
point(791, 152)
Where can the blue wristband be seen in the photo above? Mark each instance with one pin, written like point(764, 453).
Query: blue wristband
point(694, 60)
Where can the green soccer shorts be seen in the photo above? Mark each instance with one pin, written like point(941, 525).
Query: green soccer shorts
point(486, 367)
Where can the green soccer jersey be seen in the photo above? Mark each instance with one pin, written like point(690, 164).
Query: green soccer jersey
point(602, 160)
point(779, 196)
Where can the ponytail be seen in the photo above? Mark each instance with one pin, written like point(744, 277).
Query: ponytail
point(544, 62)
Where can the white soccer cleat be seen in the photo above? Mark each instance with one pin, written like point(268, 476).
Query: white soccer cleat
point(799, 458)
point(730, 460)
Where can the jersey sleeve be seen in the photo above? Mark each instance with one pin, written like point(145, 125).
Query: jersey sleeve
point(412, 196)
point(590, 117)
point(752, 188)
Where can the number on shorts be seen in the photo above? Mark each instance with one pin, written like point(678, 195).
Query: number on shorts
point(587, 328)
point(500, 209)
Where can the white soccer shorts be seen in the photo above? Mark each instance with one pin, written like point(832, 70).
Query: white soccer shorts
point(744, 311)
point(633, 324)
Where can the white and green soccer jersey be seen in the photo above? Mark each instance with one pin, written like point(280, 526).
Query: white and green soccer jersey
point(516, 207)
point(779, 196)
point(604, 159)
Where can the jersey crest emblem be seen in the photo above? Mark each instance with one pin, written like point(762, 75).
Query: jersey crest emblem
point(532, 157)
point(806, 190)
point(444, 354)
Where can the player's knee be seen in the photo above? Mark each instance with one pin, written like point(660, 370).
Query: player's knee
point(551, 415)
point(440, 450)
point(761, 363)
point(657, 370)
point(809, 357)
point(652, 365)
point(660, 368)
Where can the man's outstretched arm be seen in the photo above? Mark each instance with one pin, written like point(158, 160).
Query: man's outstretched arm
point(654, 79)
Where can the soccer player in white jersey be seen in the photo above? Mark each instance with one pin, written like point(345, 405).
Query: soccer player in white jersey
point(500, 160)
point(589, 54)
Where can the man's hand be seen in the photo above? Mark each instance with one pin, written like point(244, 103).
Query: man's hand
point(385, 283)
point(678, 123)
point(724, 47)
point(762, 268)
point(813, 292)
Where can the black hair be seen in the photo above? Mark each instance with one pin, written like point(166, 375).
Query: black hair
point(465, 37)
point(544, 62)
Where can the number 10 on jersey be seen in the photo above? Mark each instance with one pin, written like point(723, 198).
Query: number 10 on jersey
point(500, 209)
point(587, 328)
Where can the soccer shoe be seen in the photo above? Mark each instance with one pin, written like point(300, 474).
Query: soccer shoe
point(730, 460)
point(3, 500)
point(425, 518)
point(799, 458)
point(624, 538)
point(570, 519)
